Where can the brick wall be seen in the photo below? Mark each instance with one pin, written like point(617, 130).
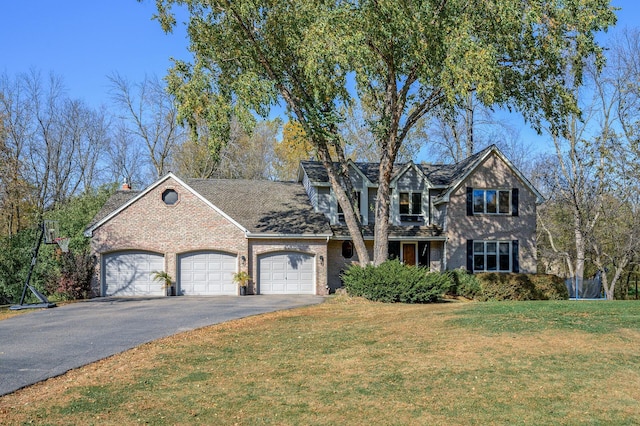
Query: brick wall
point(337, 263)
point(149, 224)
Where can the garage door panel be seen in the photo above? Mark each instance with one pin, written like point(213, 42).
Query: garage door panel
point(130, 274)
point(287, 273)
point(207, 273)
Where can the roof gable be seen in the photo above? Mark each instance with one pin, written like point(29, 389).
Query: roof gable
point(317, 174)
point(255, 207)
point(466, 167)
point(402, 170)
point(123, 199)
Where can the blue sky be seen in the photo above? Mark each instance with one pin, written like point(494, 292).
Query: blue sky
point(83, 41)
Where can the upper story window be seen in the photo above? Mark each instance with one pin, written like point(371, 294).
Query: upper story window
point(491, 201)
point(356, 195)
point(410, 204)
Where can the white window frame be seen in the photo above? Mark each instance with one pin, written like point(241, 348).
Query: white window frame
point(486, 249)
point(485, 204)
point(411, 216)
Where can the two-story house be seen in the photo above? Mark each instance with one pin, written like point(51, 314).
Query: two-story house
point(479, 214)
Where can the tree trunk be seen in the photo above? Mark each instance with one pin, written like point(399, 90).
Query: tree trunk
point(580, 252)
point(383, 202)
point(352, 221)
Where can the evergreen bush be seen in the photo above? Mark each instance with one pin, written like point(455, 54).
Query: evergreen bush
point(393, 281)
point(464, 284)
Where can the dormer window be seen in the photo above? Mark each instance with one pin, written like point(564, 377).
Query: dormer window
point(356, 195)
point(410, 206)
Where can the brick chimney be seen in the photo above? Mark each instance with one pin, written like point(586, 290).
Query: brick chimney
point(126, 186)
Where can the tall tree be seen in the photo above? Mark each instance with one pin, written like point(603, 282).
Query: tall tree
point(293, 148)
point(53, 143)
point(406, 58)
point(615, 244)
point(249, 156)
point(591, 220)
point(578, 183)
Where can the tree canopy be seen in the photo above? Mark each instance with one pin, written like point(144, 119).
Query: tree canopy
point(400, 59)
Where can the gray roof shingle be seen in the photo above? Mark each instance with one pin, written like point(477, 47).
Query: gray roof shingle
point(437, 174)
point(395, 231)
point(281, 208)
point(263, 206)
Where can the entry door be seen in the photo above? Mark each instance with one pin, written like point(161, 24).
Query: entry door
point(409, 254)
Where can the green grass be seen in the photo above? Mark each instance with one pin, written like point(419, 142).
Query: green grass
point(598, 317)
point(354, 362)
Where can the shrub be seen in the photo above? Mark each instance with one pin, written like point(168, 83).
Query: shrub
point(550, 287)
point(464, 284)
point(496, 286)
point(392, 281)
point(76, 271)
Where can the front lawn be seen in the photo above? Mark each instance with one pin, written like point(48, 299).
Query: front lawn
point(349, 361)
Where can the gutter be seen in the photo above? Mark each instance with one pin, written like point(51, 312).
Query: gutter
point(287, 236)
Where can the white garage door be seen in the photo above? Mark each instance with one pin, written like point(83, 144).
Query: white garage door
point(207, 273)
point(130, 274)
point(286, 273)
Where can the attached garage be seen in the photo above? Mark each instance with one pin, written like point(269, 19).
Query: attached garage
point(207, 273)
point(286, 273)
point(130, 274)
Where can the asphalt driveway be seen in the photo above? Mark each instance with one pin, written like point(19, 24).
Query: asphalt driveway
point(50, 342)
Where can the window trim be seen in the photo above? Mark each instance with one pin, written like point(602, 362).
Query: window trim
point(411, 216)
point(498, 203)
point(485, 253)
point(167, 191)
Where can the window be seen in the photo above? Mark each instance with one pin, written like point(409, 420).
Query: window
point(356, 195)
point(347, 249)
point(410, 206)
point(491, 256)
point(491, 201)
point(170, 197)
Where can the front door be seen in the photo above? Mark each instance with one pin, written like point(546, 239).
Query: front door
point(409, 254)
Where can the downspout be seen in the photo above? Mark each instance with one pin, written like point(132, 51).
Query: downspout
point(444, 254)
